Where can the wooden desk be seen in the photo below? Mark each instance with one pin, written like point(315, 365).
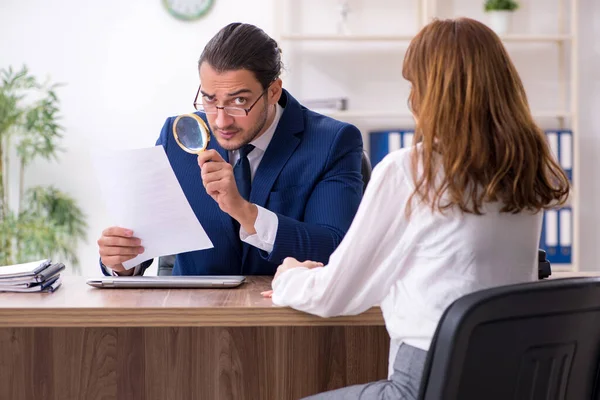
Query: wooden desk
point(86, 343)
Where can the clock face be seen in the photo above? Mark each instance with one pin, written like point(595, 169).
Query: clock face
point(188, 10)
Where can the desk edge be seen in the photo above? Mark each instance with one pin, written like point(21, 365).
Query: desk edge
point(176, 317)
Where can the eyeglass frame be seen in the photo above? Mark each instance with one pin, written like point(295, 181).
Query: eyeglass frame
point(246, 110)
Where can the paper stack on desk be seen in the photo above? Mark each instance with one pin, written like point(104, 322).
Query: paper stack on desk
point(37, 276)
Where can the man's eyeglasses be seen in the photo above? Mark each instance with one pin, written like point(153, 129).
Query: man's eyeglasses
point(231, 111)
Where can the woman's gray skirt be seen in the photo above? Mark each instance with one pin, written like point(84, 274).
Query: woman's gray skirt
point(403, 385)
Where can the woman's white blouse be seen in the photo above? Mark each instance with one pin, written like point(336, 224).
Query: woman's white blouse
point(412, 267)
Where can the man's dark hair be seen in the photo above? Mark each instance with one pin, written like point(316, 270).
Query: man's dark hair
point(244, 46)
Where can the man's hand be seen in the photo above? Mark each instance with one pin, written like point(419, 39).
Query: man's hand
point(219, 182)
point(116, 246)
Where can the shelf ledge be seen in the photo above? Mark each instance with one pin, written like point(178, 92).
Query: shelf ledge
point(397, 115)
point(407, 38)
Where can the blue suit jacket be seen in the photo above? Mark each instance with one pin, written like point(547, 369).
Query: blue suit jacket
point(310, 176)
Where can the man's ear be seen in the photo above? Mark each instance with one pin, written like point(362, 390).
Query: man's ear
point(275, 91)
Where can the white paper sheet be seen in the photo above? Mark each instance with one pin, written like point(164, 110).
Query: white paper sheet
point(142, 193)
point(22, 269)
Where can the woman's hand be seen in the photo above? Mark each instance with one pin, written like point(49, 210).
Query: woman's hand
point(290, 263)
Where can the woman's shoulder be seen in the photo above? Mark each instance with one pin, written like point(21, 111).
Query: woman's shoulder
point(398, 157)
point(394, 168)
point(399, 161)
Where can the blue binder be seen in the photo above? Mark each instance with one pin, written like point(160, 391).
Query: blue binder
point(381, 143)
point(561, 145)
point(557, 235)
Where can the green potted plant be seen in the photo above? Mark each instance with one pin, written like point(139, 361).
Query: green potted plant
point(35, 222)
point(500, 12)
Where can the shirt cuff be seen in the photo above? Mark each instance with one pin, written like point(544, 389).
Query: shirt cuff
point(136, 270)
point(266, 225)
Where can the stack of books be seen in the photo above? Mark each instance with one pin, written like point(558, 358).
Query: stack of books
point(38, 276)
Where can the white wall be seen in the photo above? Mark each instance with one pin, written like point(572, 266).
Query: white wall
point(128, 65)
point(589, 149)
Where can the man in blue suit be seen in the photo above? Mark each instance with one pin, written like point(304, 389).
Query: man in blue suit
point(277, 180)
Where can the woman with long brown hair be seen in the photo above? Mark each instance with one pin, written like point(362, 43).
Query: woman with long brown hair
point(460, 211)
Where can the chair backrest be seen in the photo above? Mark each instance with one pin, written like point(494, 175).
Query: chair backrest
point(544, 269)
point(365, 169)
point(165, 265)
point(534, 341)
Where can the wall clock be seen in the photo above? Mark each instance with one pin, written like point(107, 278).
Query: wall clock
point(188, 10)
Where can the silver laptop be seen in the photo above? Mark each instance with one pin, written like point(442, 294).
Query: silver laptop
point(212, 281)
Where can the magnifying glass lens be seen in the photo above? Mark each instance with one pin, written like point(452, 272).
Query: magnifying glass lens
point(191, 133)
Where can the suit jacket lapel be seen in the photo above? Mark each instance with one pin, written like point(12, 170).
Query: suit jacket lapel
point(282, 146)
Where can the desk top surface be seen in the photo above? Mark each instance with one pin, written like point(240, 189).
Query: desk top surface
point(77, 304)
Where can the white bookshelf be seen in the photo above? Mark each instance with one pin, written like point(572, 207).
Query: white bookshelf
point(565, 116)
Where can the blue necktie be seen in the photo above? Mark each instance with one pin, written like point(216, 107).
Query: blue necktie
point(241, 172)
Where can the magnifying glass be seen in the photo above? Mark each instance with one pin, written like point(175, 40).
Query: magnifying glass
point(191, 133)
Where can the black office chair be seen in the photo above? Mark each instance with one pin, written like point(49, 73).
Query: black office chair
point(544, 269)
point(529, 341)
point(365, 169)
point(165, 265)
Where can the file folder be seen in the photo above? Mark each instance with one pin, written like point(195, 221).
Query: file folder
point(557, 228)
point(37, 276)
point(407, 139)
point(557, 235)
point(561, 146)
point(549, 237)
point(565, 236)
point(552, 138)
point(565, 152)
point(381, 143)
